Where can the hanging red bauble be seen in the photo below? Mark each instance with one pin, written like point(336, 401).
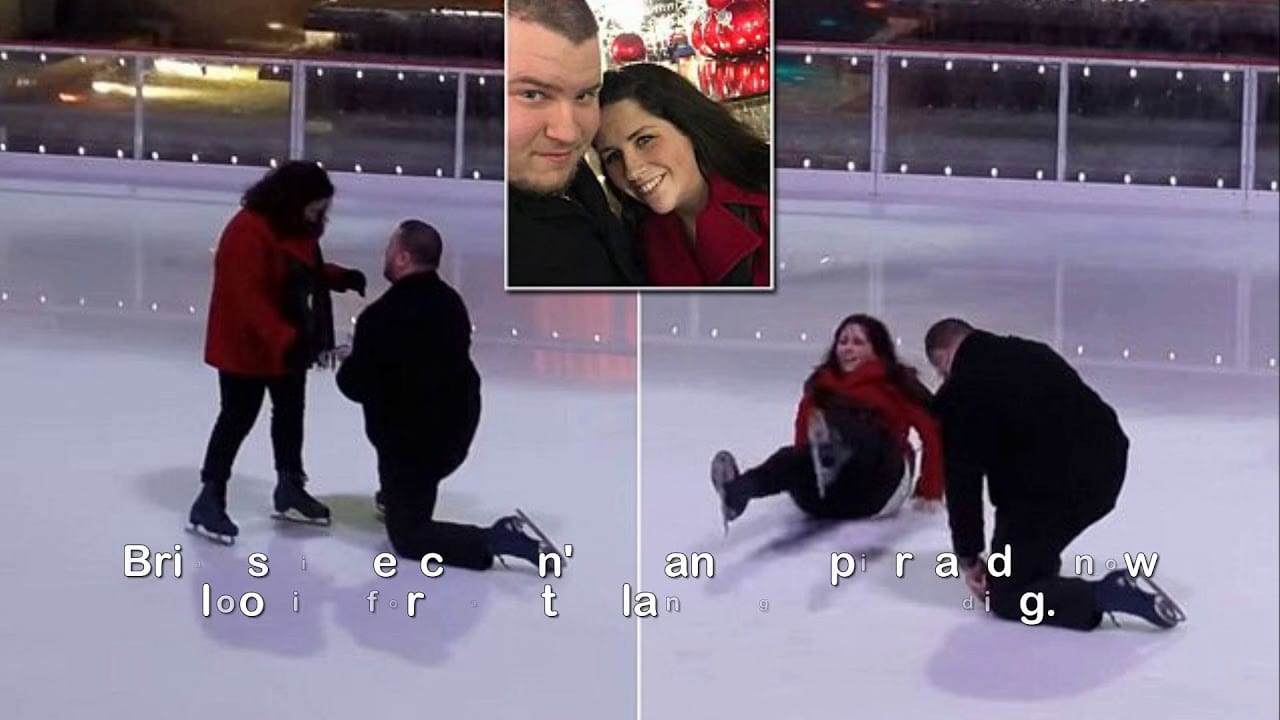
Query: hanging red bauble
point(711, 34)
point(695, 38)
point(719, 4)
point(744, 28)
point(627, 48)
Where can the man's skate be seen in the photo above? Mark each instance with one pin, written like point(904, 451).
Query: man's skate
point(293, 503)
point(1156, 606)
point(520, 523)
point(725, 472)
point(209, 518)
point(829, 453)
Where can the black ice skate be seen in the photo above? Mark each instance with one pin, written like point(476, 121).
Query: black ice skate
point(724, 470)
point(209, 515)
point(294, 504)
point(1120, 592)
point(828, 451)
point(520, 526)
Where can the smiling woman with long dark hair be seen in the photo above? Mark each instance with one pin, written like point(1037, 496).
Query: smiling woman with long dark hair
point(693, 182)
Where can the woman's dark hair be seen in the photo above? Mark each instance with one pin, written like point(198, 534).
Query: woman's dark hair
point(721, 144)
point(282, 194)
point(904, 377)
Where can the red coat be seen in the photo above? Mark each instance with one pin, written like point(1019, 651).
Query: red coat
point(247, 332)
point(869, 386)
point(723, 240)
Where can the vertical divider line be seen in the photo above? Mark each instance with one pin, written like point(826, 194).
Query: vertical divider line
point(639, 497)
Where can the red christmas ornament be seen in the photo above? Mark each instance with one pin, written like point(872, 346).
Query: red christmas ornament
point(711, 34)
point(744, 28)
point(696, 39)
point(719, 4)
point(626, 48)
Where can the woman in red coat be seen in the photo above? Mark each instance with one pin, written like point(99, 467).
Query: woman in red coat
point(693, 181)
point(270, 319)
point(851, 458)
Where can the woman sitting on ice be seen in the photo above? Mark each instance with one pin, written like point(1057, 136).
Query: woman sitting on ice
point(851, 458)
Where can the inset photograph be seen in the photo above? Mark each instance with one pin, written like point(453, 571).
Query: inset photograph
point(639, 150)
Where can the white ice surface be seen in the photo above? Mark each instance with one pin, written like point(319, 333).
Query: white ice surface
point(1201, 488)
point(104, 414)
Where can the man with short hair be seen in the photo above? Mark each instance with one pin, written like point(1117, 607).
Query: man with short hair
point(1054, 455)
point(560, 229)
point(410, 368)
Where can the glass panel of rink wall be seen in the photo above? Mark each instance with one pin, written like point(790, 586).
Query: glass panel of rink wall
point(1267, 170)
point(971, 117)
point(823, 111)
point(353, 117)
point(382, 120)
point(220, 111)
point(62, 103)
point(1161, 125)
point(1028, 117)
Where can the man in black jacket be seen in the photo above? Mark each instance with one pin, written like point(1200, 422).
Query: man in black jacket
point(1054, 455)
point(410, 368)
point(560, 229)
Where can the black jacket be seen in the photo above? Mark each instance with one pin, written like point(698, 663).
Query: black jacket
point(1015, 411)
point(573, 241)
point(410, 367)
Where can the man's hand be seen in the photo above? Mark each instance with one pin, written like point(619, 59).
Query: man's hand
point(974, 571)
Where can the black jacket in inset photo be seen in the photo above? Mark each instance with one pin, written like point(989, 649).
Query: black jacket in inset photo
point(569, 241)
point(410, 367)
point(1050, 447)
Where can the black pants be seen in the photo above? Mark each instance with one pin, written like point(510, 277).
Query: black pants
point(241, 402)
point(1038, 534)
point(863, 487)
point(1036, 542)
point(410, 484)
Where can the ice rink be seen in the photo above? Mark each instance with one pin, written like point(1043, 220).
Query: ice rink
point(107, 406)
point(1120, 290)
point(1170, 313)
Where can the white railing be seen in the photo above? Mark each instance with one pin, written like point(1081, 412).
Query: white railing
point(1110, 119)
point(403, 118)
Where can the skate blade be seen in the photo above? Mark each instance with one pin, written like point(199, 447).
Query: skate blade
point(548, 546)
point(293, 516)
point(219, 538)
point(723, 471)
point(1165, 605)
